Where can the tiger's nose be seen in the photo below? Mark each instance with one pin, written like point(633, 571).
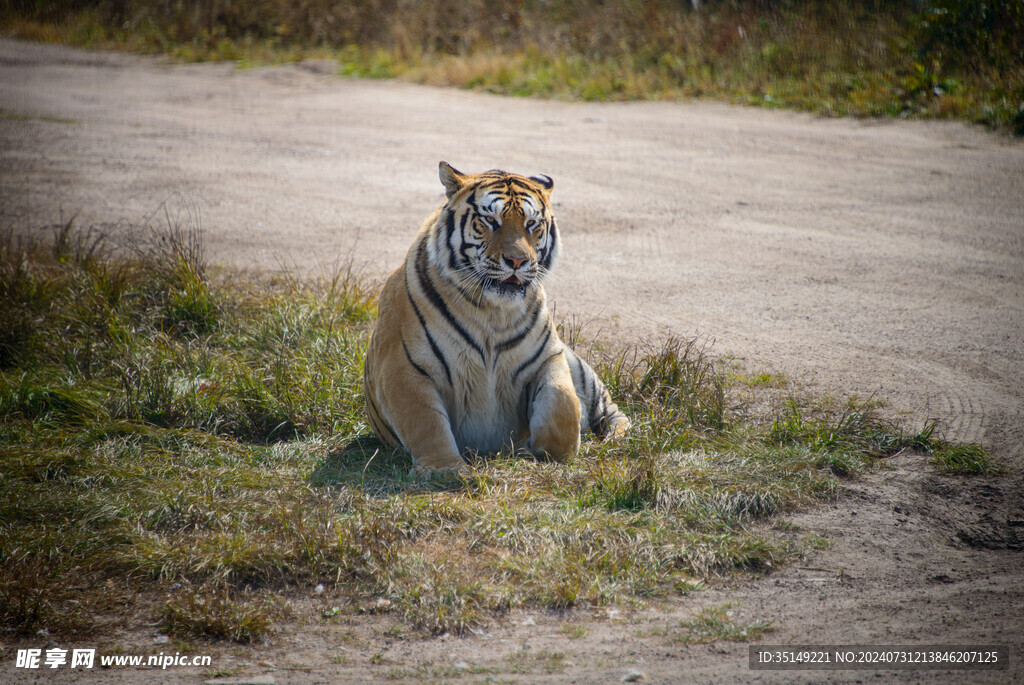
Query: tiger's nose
point(515, 262)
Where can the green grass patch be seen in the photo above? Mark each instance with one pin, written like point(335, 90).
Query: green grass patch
point(960, 459)
point(960, 59)
point(184, 444)
point(761, 380)
point(715, 624)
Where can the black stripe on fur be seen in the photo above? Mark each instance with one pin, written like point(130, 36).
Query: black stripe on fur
point(519, 336)
point(540, 349)
point(438, 302)
point(430, 339)
point(414, 364)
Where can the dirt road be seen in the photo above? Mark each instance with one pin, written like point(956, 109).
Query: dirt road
point(878, 258)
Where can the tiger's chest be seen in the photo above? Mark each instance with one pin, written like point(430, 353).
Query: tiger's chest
point(484, 401)
point(484, 355)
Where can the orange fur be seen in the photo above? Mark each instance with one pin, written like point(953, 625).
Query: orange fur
point(464, 356)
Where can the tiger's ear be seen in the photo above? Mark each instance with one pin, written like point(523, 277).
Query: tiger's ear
point(545, 182)
point(452, 179)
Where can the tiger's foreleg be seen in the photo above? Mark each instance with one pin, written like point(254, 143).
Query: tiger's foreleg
point(553, 410)
point(415, 420)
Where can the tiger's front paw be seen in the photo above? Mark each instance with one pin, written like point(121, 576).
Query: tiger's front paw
point(554, 444)
point(438, 468)
point(422, 473)
point(618, 426)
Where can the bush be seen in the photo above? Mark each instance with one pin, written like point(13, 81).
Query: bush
point(975, 35)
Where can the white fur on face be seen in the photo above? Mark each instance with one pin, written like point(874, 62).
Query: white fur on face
point(491, 206)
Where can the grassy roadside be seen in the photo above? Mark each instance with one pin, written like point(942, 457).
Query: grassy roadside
point(186, 448)
point(960, 59)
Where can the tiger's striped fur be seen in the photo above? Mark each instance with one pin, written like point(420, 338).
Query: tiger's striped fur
point(465, 356)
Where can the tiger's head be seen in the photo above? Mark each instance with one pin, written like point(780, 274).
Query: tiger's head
point(496, 232)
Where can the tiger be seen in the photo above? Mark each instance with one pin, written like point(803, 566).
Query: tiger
point(464, 357)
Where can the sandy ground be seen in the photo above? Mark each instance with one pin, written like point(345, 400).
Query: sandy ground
point(878, 258)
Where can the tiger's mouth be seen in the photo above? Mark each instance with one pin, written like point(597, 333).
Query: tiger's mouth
point(510, 287)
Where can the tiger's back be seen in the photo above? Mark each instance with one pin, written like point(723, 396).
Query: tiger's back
point(464, 355)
